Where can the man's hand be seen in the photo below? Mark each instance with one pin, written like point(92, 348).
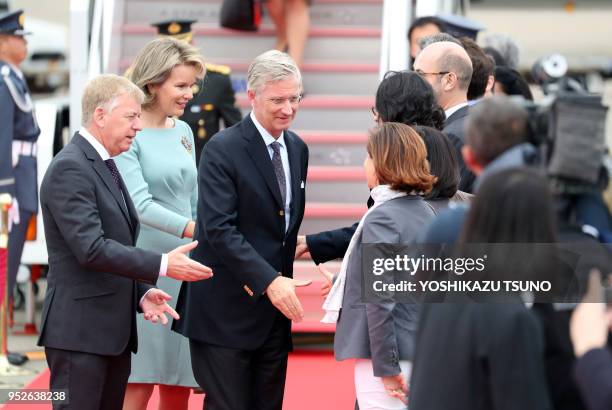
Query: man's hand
point(329, 280)
point(589, 326)
point(154, 306)
point(181, 267)
point(301, 247)
point(396, 387)
point(281, 293)
point(13, 214)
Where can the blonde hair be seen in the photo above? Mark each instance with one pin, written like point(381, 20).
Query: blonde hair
point(270, 67)
point(103, 91)
point(399, 156)
point(153, 64)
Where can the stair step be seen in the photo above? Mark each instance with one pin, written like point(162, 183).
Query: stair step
point(335, 148)
point(322, 12)
point(359, 45)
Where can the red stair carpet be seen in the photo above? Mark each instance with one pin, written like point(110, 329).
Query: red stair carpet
point(315, 381)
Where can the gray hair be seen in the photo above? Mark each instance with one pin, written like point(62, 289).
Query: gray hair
point(103, 91)
point(270, 67)
point(506, 47)
point(494, 125)
point(437, 38)
point(156, 60)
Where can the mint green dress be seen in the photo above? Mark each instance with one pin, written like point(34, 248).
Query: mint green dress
point(160, 174)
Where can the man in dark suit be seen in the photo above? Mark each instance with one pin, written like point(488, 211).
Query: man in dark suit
point(448, 69)
point(213, 97)
point(97, 279)
point(252, 183)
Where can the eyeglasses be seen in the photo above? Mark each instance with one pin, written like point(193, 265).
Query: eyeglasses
point(281, 101)
point(423, 74)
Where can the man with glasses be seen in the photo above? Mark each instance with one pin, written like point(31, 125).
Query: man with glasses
point(251, 203)
point(447, 67)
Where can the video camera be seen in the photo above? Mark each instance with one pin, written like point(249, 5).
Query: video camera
point(568, 126)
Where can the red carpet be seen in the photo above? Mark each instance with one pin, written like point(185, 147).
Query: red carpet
point(314, 381)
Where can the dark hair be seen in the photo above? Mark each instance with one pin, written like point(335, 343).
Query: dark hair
point(512, 82)
point(403, 96)
point(512, 213)
point(495, 55)
point(443, 163)
point(423, 21)
point(512, 206)
point(482, 68)
point(494, 125)
point(400, 158)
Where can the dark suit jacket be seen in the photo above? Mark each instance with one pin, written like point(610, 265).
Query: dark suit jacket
point(92, 293)
point(594, 377)
point(454, 128)
point(241, 234)
point(478, 356)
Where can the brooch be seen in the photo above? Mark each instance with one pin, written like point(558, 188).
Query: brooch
point(187, 144)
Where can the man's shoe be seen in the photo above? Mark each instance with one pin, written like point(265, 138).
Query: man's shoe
point(16, 359)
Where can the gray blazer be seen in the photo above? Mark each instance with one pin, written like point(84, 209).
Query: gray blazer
point(381, 332)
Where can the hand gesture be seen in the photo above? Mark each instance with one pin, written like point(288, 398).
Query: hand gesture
point(589, 325)
point(328, 282)
point(281, 293)
point(396, 386)
point(301, 247)
point(155, 306)
point(181, 267)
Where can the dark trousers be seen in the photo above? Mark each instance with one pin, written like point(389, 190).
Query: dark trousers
point(15, 248)
point(235, 379)
point(93, 382)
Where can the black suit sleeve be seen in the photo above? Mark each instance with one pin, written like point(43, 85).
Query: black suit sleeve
point(71, 201)
point(593, 374)
point(218, 210)
point(467, 177)
point(227, 104)
point(329, 245)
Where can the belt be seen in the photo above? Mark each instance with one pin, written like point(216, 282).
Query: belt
point(25, 148)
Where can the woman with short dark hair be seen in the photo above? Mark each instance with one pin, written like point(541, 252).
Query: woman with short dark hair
point(403, 96)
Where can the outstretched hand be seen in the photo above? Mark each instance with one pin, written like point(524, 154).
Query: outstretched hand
point(181, 267)
point(154, 306)
point(329, 280)
point(281, 293)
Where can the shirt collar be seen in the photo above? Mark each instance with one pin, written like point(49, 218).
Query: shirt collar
point(95, 143)
point(267, 137)
point(454, 109)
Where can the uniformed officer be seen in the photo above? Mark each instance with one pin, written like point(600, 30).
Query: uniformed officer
point(18, 134)
point(213, 97)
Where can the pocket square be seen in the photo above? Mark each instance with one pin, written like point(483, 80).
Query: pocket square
point(302, 185)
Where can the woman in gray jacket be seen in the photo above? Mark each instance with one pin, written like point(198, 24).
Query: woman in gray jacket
point(381, 335)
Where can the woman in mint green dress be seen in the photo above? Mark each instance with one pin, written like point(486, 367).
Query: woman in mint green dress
point(160, 173)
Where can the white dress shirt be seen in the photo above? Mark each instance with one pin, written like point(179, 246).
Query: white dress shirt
point(454, 109)
point(269, 139)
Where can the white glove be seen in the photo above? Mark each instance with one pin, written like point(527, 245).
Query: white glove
point(13, 214)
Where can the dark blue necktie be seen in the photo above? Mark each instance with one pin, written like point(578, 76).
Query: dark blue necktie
point(279, 170)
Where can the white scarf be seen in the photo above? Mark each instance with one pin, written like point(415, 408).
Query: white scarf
point(333, 302)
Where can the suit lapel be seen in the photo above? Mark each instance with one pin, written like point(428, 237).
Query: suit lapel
point(102, 170)
point(261, 158)
point(295, 167)
point(460, 113)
